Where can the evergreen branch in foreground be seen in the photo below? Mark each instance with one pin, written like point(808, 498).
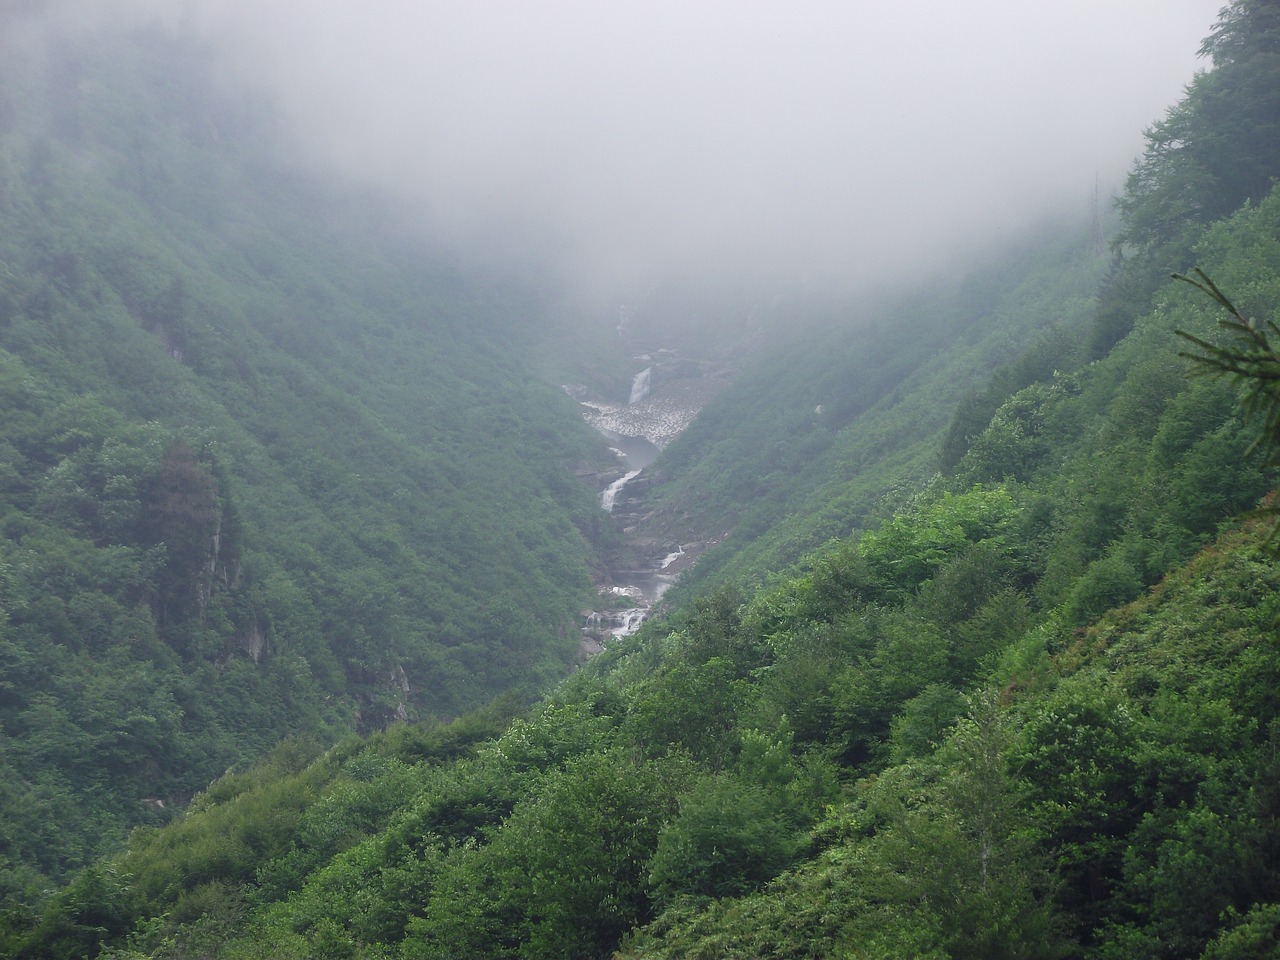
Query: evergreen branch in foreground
point(1253, 364)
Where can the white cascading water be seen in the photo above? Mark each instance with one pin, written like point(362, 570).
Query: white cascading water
point(621, 623)
point(626, 622)
point(640, 385)
point(611, 492)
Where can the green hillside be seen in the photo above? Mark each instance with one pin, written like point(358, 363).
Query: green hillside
point(1024, 705)
point(267, 467)
point(805, 446)
point(887, 390)
point(934, 743)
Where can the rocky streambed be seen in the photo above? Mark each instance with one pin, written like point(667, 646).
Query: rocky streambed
point(665, 398)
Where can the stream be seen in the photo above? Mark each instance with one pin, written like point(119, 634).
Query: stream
point(663, 400)
point(638, 589)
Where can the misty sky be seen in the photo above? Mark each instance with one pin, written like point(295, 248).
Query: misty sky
point(619, 139)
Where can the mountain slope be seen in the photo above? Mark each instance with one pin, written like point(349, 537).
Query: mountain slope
point(803, 446)
point(782, 776)
point(269, 466)
point(1031, 712)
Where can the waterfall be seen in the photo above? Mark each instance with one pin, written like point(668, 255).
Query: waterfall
point(617, 623)
point(627, 622)
point(672, 557)
point(611, 492)
point(640, 385)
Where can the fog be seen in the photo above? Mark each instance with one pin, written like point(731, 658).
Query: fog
point(831, 141)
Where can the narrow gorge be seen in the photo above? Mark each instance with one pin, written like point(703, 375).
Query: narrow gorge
point(664, 398)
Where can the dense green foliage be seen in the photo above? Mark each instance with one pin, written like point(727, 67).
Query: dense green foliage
point(805, 446)
point(800, 775)
point(1027, 709)
point(262, 472)
point(1216, 148)
point(941, 740)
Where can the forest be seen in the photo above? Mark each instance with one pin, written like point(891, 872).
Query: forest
point(259, 477)
point(290, 554)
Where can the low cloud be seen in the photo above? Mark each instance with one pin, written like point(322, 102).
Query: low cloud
point(834, 141)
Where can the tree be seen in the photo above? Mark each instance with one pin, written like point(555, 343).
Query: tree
point(563, 876)
point(1255, 936)
point(731, 836)
point(1217, 148)
point(1252, 362)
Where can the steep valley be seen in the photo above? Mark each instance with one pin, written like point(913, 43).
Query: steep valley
point(939, 621)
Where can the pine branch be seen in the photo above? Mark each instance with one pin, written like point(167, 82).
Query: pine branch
point(1253, 365)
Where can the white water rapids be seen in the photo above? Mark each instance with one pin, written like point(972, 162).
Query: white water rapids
point(664, 398)
point(646, 587)
point(610, 493)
